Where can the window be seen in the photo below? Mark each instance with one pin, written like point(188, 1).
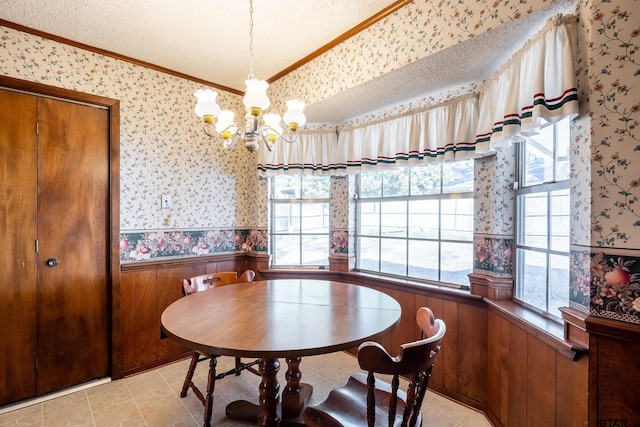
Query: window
point(418, 222)
point(542, 219)
point(300, 220)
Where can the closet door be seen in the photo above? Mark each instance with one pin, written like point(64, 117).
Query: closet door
point(73, 236)
point(18, 282)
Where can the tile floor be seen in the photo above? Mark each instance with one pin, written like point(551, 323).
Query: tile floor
point(152, 398)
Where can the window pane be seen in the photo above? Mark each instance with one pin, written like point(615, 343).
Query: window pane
point(395, 183)
point(425, 180)
point(423, 259)
point(286, 250)
point(532, 269)
point(456, 262)
point(560, 220)
point(558, 283)
point(369, 221)
point(286, 217)
point(370, 185)
point(539, 162)
point(286, 187)
point(393, 219)
point(457, 219)
point(368, 253)
point(457, 177)
point(563, 141)
point(411, 224)
point(424, 220)
point(394, 259)
point(315, 187)
point(316, 250)
point(315, 218)
point(535, 220)
point(296, 216)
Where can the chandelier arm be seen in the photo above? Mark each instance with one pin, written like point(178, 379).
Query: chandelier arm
point(206, 132)
point(269, 144)
point(290, 141)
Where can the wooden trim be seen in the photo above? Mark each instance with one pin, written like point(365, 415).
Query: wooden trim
point(341, 38)
point(575, 328)
point(495, 288)
point(616, 329)
point(342, 263)
point(181, 261)
point(113, 106)
point(118, 56)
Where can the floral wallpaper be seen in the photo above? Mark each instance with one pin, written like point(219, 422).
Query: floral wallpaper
point(163, 149)
point(217, 196)
point(608, 282)
point(494, 198)
point(614, 104)
point(493, 255)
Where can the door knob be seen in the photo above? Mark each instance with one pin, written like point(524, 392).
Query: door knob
point(52, 262)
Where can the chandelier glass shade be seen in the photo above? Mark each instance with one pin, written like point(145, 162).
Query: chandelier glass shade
point(258, 124)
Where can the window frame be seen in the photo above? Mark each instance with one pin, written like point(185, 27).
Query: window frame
point(442, 195)
point(543, 188)
point(300, 201)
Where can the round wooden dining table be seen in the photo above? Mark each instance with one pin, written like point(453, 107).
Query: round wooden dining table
point(275, 319)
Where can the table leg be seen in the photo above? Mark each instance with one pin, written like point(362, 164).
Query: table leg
point(269, 393)
point(211, 382)
point(295, 396)
point(267, 412)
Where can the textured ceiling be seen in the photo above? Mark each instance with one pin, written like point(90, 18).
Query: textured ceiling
point(209, 40)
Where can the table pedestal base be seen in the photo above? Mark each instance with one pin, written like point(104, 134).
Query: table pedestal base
point(245, 410)
point(271, 412)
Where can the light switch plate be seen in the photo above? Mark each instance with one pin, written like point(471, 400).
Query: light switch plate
point(166, 201)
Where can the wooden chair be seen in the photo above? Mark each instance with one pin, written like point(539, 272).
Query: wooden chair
point(201, 283)
point(365, 401)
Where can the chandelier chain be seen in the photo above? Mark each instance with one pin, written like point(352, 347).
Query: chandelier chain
point(251, 39)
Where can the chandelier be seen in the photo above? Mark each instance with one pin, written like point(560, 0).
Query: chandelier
point(258, 125)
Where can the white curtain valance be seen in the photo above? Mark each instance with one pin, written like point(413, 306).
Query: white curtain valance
point(314, 153)
point(443, 132)
point(537, 84)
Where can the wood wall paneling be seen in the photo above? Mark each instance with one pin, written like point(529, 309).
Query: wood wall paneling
point(504, 357)
point(406, 331)
point(518, 386)
point(617, 378)
point(571, 391)
point(169, 289)
point(450, 342)
point(437, 307)
point(541, 379)
point(472, 352)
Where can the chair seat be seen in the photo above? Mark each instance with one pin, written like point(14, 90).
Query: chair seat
point(347, 406)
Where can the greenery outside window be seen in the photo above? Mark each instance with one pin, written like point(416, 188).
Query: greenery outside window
point(300, 220)
point(417, 223)
point(542, 219)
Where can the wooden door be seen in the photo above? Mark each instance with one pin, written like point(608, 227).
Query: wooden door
point(54, 203)
point(73, 234)
point(18, 256)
